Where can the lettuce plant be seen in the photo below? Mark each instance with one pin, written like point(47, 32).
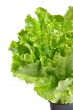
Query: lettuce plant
point(43, 55)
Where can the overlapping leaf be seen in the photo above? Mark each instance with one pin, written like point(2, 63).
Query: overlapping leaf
point(43, 55)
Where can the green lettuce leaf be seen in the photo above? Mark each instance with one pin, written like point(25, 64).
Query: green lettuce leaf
point(43, 55)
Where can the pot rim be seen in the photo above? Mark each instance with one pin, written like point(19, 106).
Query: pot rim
point(59, 103)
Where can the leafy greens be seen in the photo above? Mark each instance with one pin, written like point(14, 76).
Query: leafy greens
point(43, 55)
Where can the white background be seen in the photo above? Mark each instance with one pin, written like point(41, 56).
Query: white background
point(14, 93)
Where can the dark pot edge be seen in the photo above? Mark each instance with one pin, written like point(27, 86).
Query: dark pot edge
point(59, 103)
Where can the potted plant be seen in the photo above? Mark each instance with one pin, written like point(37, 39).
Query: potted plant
point(43, 55)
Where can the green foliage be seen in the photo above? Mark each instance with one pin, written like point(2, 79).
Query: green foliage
point(43, 55)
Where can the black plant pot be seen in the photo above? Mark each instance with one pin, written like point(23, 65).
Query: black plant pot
point(61, 106)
